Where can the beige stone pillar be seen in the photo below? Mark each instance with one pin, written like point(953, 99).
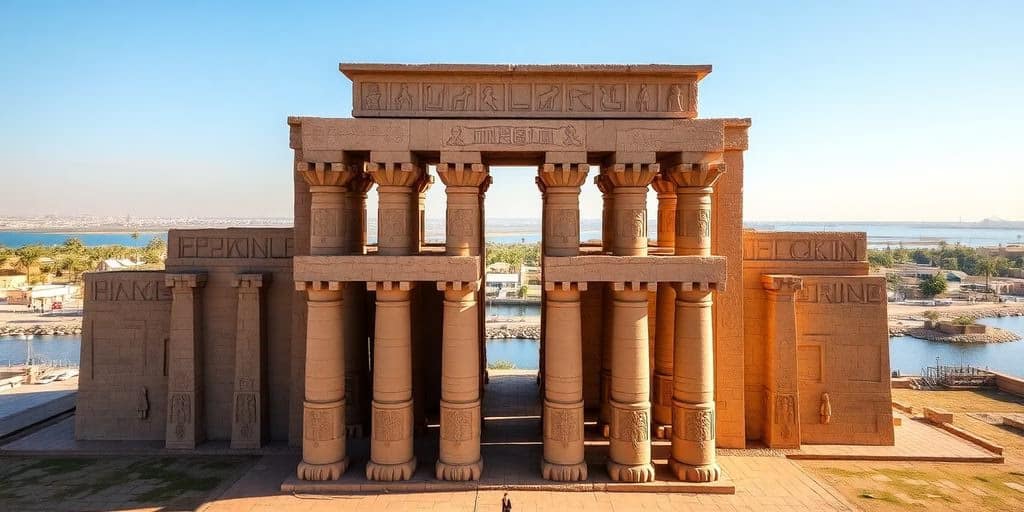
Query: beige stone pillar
point(459, 449)
point(329, 230)
point(782, 413)
point(560, 183)
point(356, 218)
point(391, 439)
point(607, 219)
point(463, 217)
point(693, 412)
point(249, 411)
point(563, 385)
point(665, 316)
point(324, 455)
point(419, 212)
point(607, 240)
point(396, 177)
point(629, 432)
point(185, 425)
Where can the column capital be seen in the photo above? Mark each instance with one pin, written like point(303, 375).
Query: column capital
point(665, 187)
point(782, 284)
point(327, 174)
point(462, 174)
point(303, 286)
point(699, 286)
point(249, 280)
point(390, 173)
point(389, 285)
point(699, 175)
point(187, 280)
point(565, 286)
point(634, 286)
point(458, 286)
point(603, 184)
point(562, 175)
point(637, 175)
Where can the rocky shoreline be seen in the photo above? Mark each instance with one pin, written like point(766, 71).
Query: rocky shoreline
point(41, 330)
point(992, 335)
point(913, 325)
point(499, 332)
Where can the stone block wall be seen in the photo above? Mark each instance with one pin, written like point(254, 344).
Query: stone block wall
point(122, 387)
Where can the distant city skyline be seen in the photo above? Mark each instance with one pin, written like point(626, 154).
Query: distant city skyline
point(869, 111)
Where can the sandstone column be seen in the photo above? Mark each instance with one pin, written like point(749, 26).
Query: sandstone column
point(249, 414)
point(782, 412)
point(563, 385)
point(665, 317)
point(323, 419)
point(419, 212)
point(391, 439)
point(693, 412)
point(185, 425)
point(560, 179)
point(607, 236)
point(629, 444)
point(337, 227)
point(396, 177)
point(459, 456)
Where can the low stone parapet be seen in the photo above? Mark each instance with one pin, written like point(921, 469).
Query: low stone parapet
point(938, 416)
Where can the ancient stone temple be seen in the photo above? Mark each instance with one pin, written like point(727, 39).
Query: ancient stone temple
point(691, 334)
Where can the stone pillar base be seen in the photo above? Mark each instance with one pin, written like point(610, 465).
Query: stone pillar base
point(688, 473)
point(564, 472)
point(639, 473)
point(459, 472)
point(390, 472)
point(320, 472)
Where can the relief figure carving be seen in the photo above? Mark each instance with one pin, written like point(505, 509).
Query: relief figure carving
point(488, 99)
point(388, 425)
point(546, 99)
point(564, 425)
point(703, 224)
point(581, 99)
point(433, 97)
point(460, 100)
point(785, 413)
point(181, 413)
point(319, 425)
point(826, 409)
point(245, 411)
point(460, 222)
point(608, 98)
point(457, 425)
point(700, 425)
point(404, 99)
point(676, 99)
point(565, 228)
point(633, 426)
point(142, 405)
point(643, 99)
point(633, 223)
point(371, 97)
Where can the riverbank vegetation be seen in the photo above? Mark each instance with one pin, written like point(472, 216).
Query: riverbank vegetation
point(971, 260)
point(67, 261)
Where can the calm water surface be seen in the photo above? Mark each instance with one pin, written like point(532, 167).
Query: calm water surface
point(20, 238)
point(56, 349)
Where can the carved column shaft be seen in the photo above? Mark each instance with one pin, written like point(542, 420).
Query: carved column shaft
point(629, 206)
point(782, 413)
point(629, 443)
point(693, 206)
point(563, 386)
point(693, 415)
point(185, 425)
point(329, 205)
point(666, 305)
point(459, 457)
point(463, 217)
point(561, 186)
point(391, 441)
point(607, 217)
point(324, 455)
point(249, 413)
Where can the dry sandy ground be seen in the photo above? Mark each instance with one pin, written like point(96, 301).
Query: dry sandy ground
point(21, 316)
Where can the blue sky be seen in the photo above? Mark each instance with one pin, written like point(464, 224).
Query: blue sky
point(861, 110)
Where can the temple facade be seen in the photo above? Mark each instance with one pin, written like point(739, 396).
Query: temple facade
point(692, 333)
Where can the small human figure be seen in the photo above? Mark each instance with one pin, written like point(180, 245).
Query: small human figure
point(826, 409)
point(506, 503)
point(488, 99)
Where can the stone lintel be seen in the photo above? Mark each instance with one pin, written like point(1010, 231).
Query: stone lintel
point(186, 280)
point(524, 91)
point(373, 268)
point(709, 270)
point(250, 280)
point(515, 141)
point(461, 157)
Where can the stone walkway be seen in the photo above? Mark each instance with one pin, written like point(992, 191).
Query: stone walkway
point(31, 403)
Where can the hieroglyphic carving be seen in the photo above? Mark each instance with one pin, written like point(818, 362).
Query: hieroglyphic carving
point(700, 425)
point(249, 247)
point(396, 224)
point(460, 222)
point(489, 99)
point(825, 411)
point(371, 96)
point(180, 413)
point(581, 98)
point(564, 425)
point(325, 222)
point(142, 403)
point(633, 223)
point(564, 226)
point(632, 425)
point(319, 425)
point(565, 136)
point(245, 414)
point(704, 224)
point(389, 425)
point(456, 425)
point(403, 100)
point(461, 97)
point(612, 97)
point(548, 97)
point(785, 413)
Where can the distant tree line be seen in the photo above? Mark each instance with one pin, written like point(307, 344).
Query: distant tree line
point(949, 257)
point(514, 254)
point(70, 259)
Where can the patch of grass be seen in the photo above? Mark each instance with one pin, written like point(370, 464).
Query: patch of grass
point(58, 466)
point(846, 473)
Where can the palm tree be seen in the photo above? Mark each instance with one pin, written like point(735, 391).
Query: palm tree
point(29, 256)
point(135, 240)
point(987, 268)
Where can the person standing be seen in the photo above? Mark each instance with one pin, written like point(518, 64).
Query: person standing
point(506, 503)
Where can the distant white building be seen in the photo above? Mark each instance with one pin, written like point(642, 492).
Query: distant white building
point(503, 285)
point(42, 296)
point(117, 264)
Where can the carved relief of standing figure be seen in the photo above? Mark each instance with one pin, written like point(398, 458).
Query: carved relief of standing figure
point(826, 409)
point(643, 99)
point(404, 99)
point(675, 98)
point(488, 99)
point(142, 406)
point(546, 99)
point(371, 98)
